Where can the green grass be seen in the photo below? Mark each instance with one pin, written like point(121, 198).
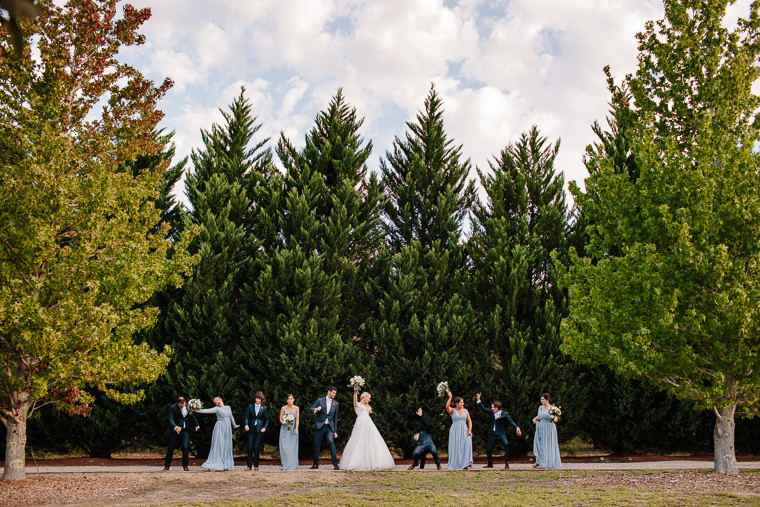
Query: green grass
point(482, 488)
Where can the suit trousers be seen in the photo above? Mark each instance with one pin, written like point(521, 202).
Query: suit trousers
point(183, 440)
point(421, 451)
point(492, 441)
point(254, 443)
point(319, 435)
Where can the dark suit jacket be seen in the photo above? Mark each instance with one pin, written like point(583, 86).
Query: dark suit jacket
point(256, 423)
point(426, 435)
point(497, 425)
point(176, 419)
point(322, 415)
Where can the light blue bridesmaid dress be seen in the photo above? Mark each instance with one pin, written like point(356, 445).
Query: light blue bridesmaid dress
point(289, 446)
point(545, 443)
point(460, 444)
point(220, 454)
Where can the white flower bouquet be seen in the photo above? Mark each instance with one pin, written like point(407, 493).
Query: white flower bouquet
point(195, 404)
point(288, 418)
point(356, 382)
point(555, 411)
point(442, 388)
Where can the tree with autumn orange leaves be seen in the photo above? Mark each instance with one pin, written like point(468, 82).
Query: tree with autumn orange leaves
point(82, 245)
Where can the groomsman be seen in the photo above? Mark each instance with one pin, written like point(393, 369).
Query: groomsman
point(326, 425)
point(496, 431)
point(179, 417)
point(425, 445)
point(256, 422)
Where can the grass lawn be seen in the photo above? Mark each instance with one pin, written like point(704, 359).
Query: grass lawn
point(513, 488)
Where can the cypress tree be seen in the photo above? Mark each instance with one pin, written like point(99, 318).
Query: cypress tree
point(204, 322)
point(306, 294)
point(422, 326)
point(513, 285)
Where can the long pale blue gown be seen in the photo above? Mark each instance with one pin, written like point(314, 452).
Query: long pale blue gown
point(545, 443)
point(460, 444)
point(220, 454)
point(289, 446)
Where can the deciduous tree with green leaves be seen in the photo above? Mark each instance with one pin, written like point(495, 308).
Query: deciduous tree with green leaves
point(82, 243)
point(670, 290)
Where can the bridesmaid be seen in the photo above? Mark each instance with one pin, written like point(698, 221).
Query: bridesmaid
point(289, 435)
point(220, 455)
point(460, 435)
point(545, 443)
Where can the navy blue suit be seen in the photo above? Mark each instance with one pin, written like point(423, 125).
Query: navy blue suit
point(176, 419)
point(425, 445)
point(496, 432)
point(255, 423)
point(324, 427)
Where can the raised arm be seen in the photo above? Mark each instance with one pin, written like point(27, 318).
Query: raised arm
point(448, 408)
point(315, 407)
point(426, 424)
point(355, 401)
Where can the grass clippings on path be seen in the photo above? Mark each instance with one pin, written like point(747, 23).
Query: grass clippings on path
point(546, 488)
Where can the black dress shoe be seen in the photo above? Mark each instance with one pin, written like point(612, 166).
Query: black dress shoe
point(314, 467)
point(488, 466)
point(335, 467)
point(439, 466)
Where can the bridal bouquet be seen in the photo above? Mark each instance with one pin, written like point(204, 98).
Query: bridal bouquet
point(442, 388)
point(195, 404)
point(288, 419)
point(555, 411)
point(356, 382)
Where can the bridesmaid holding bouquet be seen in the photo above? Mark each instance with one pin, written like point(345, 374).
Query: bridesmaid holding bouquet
point(290, 417)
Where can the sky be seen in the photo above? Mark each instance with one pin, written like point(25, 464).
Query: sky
point(499, 66)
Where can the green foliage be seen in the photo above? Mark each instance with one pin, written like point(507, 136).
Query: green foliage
point(428, 187)
point(669, 291)
point(204, 319)
point(84, 246)
point(513, 282)
point(314, 249)
point(421, 327)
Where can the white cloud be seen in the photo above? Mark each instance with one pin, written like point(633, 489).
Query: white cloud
point(500, 66)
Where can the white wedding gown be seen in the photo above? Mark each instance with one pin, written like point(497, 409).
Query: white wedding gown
point(366, 449)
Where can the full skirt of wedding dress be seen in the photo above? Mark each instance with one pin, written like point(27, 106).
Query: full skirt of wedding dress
point(366, 449)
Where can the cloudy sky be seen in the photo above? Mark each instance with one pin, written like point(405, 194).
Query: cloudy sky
point(500, 66)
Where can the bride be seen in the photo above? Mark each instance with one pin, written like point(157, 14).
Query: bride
point(366, 449)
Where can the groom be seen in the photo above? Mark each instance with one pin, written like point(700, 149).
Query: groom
point(326, 425)
point(425, 444)
point(496, 431)
point(179, 422)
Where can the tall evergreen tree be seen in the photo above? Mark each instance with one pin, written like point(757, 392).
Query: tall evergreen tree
point(513, 283)
point(422, 326)
point(204, 322)
point(307, 294)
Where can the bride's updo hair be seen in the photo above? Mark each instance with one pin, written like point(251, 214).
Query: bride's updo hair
point(363, 395)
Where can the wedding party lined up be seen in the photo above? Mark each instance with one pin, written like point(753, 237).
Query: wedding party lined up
point(366, 449)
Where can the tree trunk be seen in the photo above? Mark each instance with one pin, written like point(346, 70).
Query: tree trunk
point(723, 441)
point(15, 444)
